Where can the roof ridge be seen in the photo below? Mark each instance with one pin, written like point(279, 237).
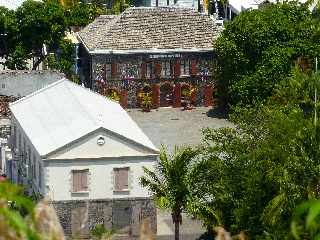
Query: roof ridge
point(38, 91)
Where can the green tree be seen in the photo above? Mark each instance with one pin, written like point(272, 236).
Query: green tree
point(17, 59)
point(306, 219)
point(82, 14)
point(8, 31)
point(40, 23)
point(170, 183)
point(297, 89)
point(260, 171)
point(64, 58)
point(258, 49)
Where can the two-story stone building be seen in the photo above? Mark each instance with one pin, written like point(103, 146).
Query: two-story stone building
point(84, 153)
point(159, 49)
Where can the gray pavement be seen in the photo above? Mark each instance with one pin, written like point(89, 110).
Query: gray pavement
point(172, 126)
point(189, 229)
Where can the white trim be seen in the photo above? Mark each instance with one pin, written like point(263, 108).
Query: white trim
point(80, 192)
point(81, 40)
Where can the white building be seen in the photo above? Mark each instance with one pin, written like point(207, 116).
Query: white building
point(235, 7)
point(11, 4)
point(86, 154)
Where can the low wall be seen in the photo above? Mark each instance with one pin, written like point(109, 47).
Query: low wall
point(125, 216)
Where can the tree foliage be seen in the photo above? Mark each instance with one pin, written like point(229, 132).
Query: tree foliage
point(41, 23)
point(8, 30)
point(37, 24)
point(260, 171)
point(81, 14)
point(259, 47)
point(13, 207)
point(20, 218)
point(32, 26)
point(306, 218)
point(63, 59)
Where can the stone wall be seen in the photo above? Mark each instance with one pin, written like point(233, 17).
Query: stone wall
point(127, 76)
point(20, 83)
point(78, 217)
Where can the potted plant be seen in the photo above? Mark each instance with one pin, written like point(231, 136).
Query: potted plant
point(99, 232)
point(146, 101)
point(113, 94)
point(187, 93)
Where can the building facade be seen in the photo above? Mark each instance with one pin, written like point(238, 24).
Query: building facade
point(166, 51)
point(84, 153)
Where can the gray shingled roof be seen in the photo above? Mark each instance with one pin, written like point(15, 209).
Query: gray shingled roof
point(149, 28)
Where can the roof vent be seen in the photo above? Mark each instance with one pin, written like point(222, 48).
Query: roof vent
point(101, 141)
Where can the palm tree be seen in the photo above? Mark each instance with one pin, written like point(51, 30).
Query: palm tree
point(170, 182)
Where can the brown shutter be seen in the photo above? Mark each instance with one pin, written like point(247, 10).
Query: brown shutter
point(193, 70)
point(123, 178)
point(177, 70)
point(84, 180)
point(157, 66)
point(143, 70)
point(80, 180)
point(113, 69)
point(76, 180)
point(116, 178)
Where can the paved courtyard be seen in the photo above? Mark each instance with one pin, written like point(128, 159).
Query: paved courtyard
point(173, 127)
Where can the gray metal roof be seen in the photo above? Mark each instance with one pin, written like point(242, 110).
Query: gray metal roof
point(64, 112)
point(150, 28)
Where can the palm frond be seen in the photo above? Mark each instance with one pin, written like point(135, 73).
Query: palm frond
point(169, 182)
point(273, 210)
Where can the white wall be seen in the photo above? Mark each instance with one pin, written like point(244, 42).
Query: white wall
point(87, 147)
point(55, 172)
point(101, 184)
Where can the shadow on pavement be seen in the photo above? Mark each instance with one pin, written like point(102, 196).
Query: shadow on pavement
point(205, 236)
point(218, 112)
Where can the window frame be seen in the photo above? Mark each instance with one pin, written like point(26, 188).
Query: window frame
point(81, 189)
point(166, 68)
point(115, 185)
point(150, 70)
point(185, 67)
